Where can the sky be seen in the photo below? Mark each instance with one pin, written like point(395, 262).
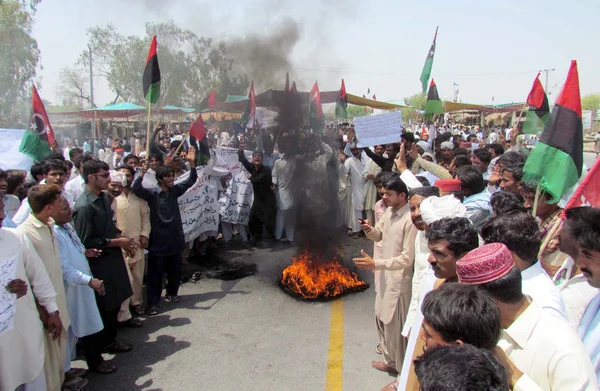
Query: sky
point(491, 49)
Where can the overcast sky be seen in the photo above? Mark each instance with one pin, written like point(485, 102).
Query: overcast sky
point(489, 48)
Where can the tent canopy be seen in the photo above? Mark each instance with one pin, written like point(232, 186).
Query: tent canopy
point(374, 104)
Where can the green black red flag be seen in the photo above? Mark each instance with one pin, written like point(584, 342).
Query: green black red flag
point(209, 101)
point(151, 80)
point(539, 109)
point(434, 104)
point(341, 104)
point(556, 162)
point(39, 138)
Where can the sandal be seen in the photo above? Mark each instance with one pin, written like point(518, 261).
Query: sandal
point(138, 310)
point(105, 368)
point(118, 347)
point(152, 311)
point(75, 372)
point(75, 384)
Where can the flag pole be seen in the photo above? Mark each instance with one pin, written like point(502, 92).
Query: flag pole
point(181, 144)
point(536, 200)
point(148, 134)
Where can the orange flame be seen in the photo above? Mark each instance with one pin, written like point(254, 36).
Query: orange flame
point(310, 278)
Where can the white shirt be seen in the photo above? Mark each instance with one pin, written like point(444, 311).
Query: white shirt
point(589, 332)
point(75, 187)
point(355, 167)
point(548, 351)
point(11, 204)
point(22, 347)
point(575, 292)
point(25, 210)
point(421, 268)
point(538, 285)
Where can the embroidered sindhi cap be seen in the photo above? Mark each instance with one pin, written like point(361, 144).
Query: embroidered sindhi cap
point(484, 264)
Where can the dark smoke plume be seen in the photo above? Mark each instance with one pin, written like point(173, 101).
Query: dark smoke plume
point(265, 58)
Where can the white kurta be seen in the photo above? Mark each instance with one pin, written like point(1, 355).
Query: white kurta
point(355, 168)
point(537, 284)
point(370, 190)
point(575, 292)
point(75, 187)
point(22, 348)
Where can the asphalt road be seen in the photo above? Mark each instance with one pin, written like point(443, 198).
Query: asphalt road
point(248, 334)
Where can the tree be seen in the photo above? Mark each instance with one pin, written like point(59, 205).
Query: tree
point(357, 111)
point(190, 66)
point(19, 57)
point(73, 89)
point(591, 102)
point(415, 104)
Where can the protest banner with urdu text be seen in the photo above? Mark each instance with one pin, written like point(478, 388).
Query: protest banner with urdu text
point(235, 203)
point(378, 129)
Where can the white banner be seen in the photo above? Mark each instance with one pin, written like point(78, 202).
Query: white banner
point(235, 203)
point(10, 157)
point(198, 206)
point(378, 129)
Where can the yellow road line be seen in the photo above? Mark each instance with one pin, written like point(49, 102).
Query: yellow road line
point(335, 356)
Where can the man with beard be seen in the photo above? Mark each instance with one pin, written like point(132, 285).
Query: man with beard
point(354, 167)
point(55, 173)
point(584, 226)
point(93, 220)
point(263, 211)
point(164, 256)
point(397, 233)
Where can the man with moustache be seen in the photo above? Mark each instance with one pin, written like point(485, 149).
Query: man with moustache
point(584, 225)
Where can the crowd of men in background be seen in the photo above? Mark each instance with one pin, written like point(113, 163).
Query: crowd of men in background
point(86, 235)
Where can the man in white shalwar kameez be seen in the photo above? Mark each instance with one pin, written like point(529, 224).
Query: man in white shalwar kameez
point(354, 166)
point(46, 201)
point(370, 172)
point(282, 174)
point(22, 346)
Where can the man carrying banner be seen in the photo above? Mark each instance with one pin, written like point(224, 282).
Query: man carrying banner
point(164, 255)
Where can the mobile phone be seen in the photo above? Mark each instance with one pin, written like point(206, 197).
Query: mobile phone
point(362, 221)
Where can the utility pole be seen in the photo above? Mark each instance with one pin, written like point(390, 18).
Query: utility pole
point(546, 71)
point(92, 101)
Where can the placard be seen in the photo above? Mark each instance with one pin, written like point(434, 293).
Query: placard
point(236, 201)
point(378, 129)
point(198, 206)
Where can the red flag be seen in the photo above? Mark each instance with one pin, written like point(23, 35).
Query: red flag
point(198, 130)
point(287, 83)
point(315, 99)
point(39, 119)
point(588, 191)
point(209, 102)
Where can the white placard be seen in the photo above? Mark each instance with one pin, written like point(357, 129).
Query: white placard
point(8, 270)
point(10, 157)
point(236, 201)
point(378, 129)
point(198, 206)
point(586, 119)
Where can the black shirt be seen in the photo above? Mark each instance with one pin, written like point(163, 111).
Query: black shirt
point(166, 233)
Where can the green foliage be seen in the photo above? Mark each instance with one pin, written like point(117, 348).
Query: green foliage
point(190, 66)
point(19, 57)
point(415, 103)
point(591, 102)
point(357, 111)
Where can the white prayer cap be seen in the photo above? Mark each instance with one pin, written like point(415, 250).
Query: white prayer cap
point(430, 155)
point(425, 145)
point(437, 208)
point(116, 176)
point(447, 144)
